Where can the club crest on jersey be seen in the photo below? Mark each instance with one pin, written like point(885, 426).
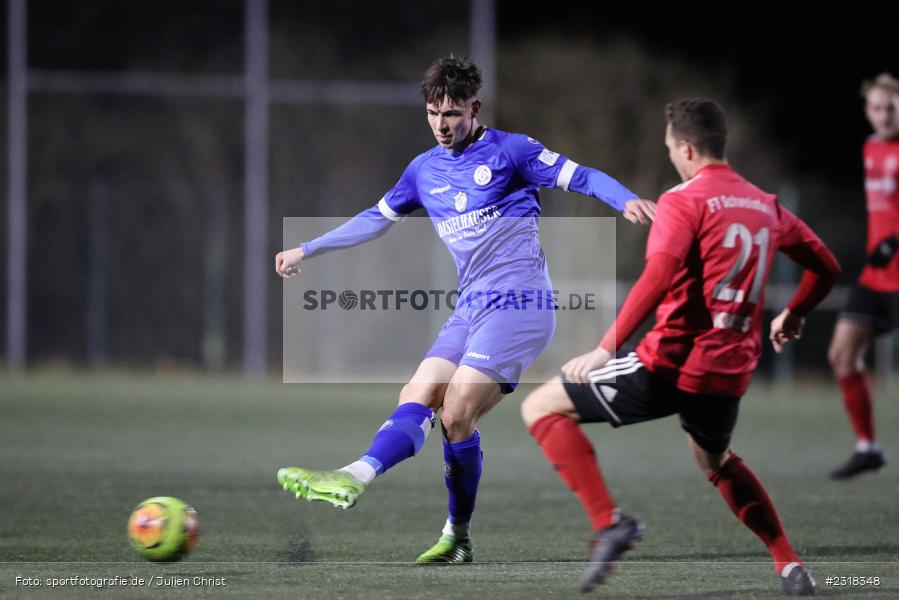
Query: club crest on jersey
point(483, 175)
point(461, 201)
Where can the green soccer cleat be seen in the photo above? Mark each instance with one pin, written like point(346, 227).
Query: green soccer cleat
point(337, 487)
point(447, 551)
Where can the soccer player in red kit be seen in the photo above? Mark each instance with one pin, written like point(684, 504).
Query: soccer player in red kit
point(873, 306)
point(707, 261)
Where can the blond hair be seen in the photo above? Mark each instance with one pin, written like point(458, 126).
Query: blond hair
point(884, 81)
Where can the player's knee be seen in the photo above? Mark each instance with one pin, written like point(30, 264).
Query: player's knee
point(535, 406)
point(407, 395)
point(833, 355)
point(710, 463)
point(457, 424)
point(463, 404)
point(420, 394)
point(531, 410)
point(842, 359)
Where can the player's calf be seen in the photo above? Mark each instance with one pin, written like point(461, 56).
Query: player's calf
point(749, 501)
point(399, 438)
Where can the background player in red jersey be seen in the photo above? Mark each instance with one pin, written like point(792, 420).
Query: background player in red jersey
point(873, 306)
point(707, 261)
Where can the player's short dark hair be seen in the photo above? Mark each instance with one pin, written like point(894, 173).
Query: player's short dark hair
point(700, 122)
point(458, 79)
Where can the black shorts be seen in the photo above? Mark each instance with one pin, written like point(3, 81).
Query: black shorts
point(624, 392)
point(878, 310)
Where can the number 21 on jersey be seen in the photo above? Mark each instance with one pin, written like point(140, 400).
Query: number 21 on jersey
point(738, 235)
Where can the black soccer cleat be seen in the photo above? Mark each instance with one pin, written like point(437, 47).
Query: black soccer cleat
point(610, 543)
point(798, 582)
point(859, 462)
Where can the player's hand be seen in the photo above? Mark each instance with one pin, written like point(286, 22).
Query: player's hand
point(640, 212)
point(577, 369)
point(785, 327)
point(884, 251)
point(286, 263)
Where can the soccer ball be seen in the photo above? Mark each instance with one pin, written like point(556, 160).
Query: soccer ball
point(163, 529)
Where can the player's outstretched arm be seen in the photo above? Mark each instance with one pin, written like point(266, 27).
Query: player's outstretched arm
point(595, 183)
point(366, 226)
point(541, 166)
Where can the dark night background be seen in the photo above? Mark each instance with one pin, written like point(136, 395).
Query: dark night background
point(804, 64)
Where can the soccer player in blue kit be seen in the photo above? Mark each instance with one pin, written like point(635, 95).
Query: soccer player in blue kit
point(480, 188)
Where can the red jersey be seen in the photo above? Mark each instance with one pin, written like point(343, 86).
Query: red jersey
point(882, 193)
point(724, 230)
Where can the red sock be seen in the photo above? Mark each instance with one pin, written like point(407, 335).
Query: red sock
point(857, 398)
point(569, 451)
point(747, 498)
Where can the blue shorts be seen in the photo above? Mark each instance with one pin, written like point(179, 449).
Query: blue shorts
point(500, 341)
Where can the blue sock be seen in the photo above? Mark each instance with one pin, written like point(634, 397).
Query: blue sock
point(400, 437)
point(463, 472)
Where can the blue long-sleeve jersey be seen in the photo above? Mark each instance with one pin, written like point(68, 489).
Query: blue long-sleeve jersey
point(483, 202)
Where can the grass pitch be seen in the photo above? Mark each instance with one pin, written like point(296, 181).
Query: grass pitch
point(78, 452)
